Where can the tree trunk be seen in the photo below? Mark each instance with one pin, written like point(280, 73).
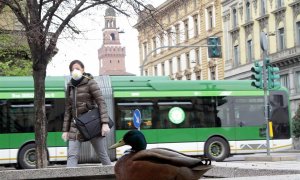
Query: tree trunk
point(39, 75)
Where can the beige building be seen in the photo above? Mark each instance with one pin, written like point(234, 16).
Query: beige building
point(181, 23)
point(243, 20)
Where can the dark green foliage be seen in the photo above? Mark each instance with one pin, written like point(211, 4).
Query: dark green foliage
point(296, 123)
point(14, 56)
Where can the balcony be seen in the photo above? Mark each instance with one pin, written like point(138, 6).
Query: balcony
point(285, 56)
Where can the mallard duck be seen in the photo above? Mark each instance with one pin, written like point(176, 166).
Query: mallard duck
point(157, 163)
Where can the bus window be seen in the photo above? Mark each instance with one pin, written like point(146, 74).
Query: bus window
point(124, 114)
point(249, 111)
point(55, 114)
point(279, 115)
point(4, 123)
point(21, 115)
point(223, 117)
point(205, 110)
point(164, 107)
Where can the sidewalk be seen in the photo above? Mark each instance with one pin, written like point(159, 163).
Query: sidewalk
point(278, 165)
point(235, 168)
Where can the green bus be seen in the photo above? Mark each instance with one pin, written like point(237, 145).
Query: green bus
point(216, 118)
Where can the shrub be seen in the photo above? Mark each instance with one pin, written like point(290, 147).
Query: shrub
point(296, 123)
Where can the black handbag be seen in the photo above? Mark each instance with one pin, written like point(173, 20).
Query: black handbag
point(89, 123)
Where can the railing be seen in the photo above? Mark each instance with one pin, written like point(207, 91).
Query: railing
point(285, 53)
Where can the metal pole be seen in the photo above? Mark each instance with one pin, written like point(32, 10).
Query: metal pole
point(266, 101)
point(264, 47)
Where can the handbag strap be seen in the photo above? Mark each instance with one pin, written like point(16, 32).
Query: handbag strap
point(74, 101)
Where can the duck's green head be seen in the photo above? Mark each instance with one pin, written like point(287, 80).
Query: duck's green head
point(133, 138)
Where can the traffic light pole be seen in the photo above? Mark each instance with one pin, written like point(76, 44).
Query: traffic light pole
point(264, 47)
point(266, 101)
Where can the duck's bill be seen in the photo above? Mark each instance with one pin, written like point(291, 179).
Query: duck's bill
point(118, 144)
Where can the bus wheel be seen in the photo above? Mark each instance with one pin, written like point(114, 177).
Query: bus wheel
point(216, 149)
point(27, 156)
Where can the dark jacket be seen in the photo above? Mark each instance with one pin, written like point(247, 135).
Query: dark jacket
point(88, 94)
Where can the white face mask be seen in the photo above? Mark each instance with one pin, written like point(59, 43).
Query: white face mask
point(76, 74)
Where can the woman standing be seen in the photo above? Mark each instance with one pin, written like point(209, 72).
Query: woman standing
point(88, 95)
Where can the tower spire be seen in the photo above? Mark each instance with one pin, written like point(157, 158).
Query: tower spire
point(111, 55)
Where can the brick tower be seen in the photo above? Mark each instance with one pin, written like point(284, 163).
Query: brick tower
point(111, 55)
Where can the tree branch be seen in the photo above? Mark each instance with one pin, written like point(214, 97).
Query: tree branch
point(53, 40)
point(50, 14)
point(33, 11)
point(71, 27)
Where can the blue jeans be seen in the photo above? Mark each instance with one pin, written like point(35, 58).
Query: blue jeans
point(99, 146)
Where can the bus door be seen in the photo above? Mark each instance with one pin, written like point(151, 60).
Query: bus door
point(249, 118)
point(279, 116)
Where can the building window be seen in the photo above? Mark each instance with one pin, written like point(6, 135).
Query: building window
point(210, 18)
point(178, 64)
point(284, 81)
point(195, 4)
point(112, 37)
point(281, 42)
point(212, 75)
point(198, 75)
point(188, 77)
point(236, 55)
point(171, 67)
point(177, 33)
point(197, 56)
point(234, 18)
point(298, 32)
point(196, 29)
point(154, 45)
point(185, 7)
point(280, 3)
point(263, 9)
point(162, 39)
point(169, 37)
point(249, 50)
point(298, 81)
point(145, 49)
point(163, 69)
point(248, 12)
point(188, 60)
point(186, 30)
point(155, 70)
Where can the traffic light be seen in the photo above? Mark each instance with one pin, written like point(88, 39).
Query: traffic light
point(273, 77)
point(214, 47)
point(257, 76)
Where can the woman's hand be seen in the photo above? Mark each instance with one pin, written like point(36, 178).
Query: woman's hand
point(65, 136)
point(105, 129)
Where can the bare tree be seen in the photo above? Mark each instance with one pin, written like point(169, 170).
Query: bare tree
point(43, 21)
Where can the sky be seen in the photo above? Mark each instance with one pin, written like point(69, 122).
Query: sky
point(85, 46)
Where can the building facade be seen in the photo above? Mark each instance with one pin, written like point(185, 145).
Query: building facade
point(111, 55)
point(184, 25)
point(244, 20)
